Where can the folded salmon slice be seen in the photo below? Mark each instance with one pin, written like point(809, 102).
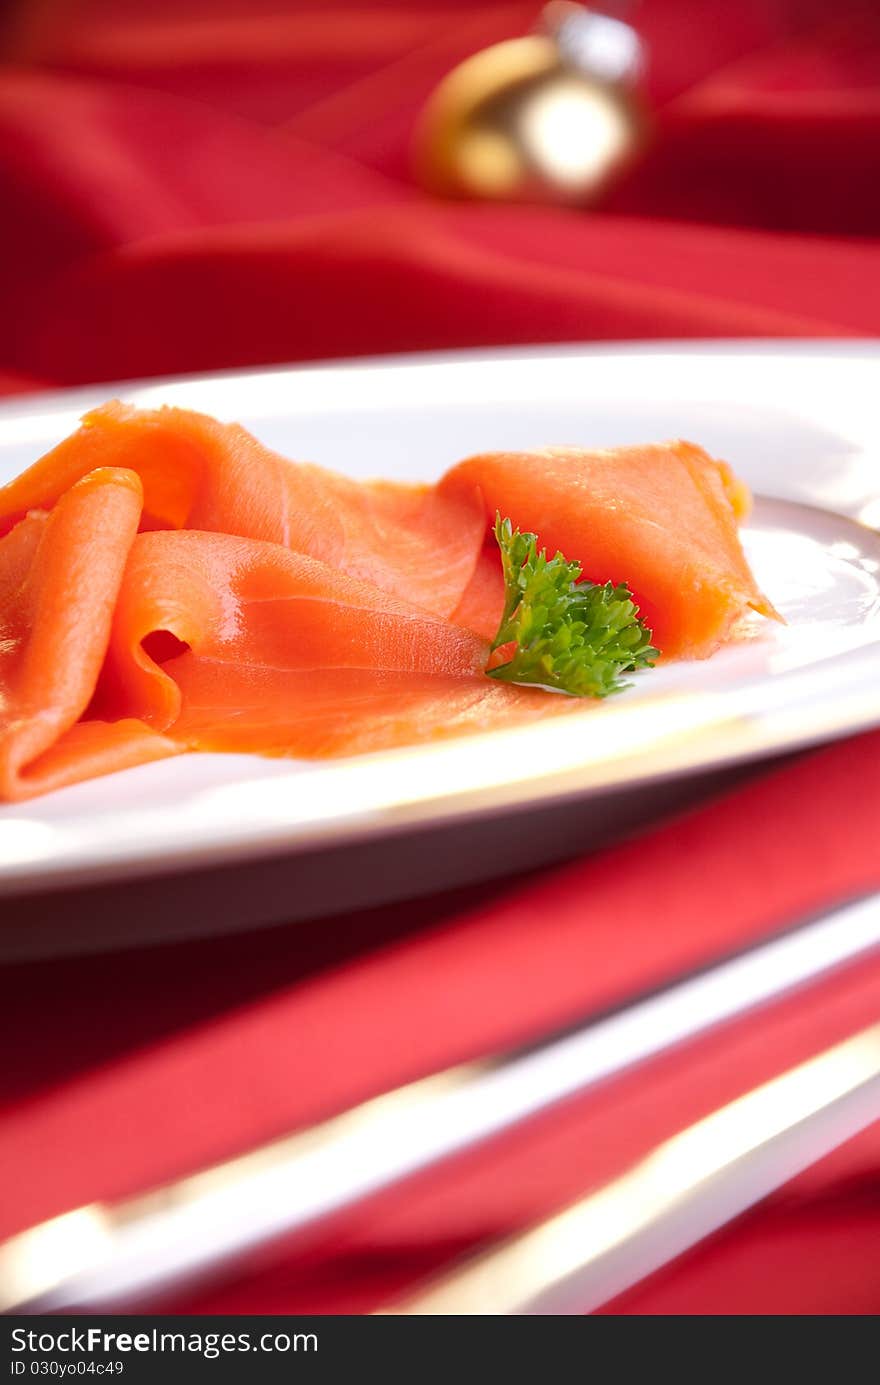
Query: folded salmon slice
point(167, 583)
point(197, 473)
point(275, 652)
point(662, 518)
point(119, 647)
point(60, 578)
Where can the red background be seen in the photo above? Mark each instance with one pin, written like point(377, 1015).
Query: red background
point(195, 185)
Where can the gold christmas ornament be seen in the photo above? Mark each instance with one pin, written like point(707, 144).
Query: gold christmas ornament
point(552, 117)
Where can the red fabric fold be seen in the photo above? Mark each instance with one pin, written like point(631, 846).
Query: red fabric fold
point(190, 1054)
point(191, 186)
point(155, 182)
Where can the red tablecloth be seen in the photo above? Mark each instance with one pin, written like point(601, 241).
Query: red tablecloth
point(196, 185)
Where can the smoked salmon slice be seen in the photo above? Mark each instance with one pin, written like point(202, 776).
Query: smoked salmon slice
point(662, 518)
point(167, 583)
point(60, 578)
point(197, 473)
point(279, 653)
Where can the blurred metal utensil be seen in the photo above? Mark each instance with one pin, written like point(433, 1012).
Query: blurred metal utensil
point(684, 1190)
point(108, 1253)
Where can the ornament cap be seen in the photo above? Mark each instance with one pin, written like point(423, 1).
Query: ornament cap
point(599, 45)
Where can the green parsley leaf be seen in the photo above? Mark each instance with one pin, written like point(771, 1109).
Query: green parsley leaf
point(577, 637)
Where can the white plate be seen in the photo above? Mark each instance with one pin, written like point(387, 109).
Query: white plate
point(798, 422)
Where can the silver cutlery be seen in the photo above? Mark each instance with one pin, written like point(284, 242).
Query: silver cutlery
point(685, 1189)
point(107, 1254)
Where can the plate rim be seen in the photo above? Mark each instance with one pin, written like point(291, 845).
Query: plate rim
point(868, 346)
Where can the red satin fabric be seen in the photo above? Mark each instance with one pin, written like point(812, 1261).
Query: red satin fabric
point(194, 185)
point(200, 186)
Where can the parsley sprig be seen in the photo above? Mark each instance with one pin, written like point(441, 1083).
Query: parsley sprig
point(578, 637)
